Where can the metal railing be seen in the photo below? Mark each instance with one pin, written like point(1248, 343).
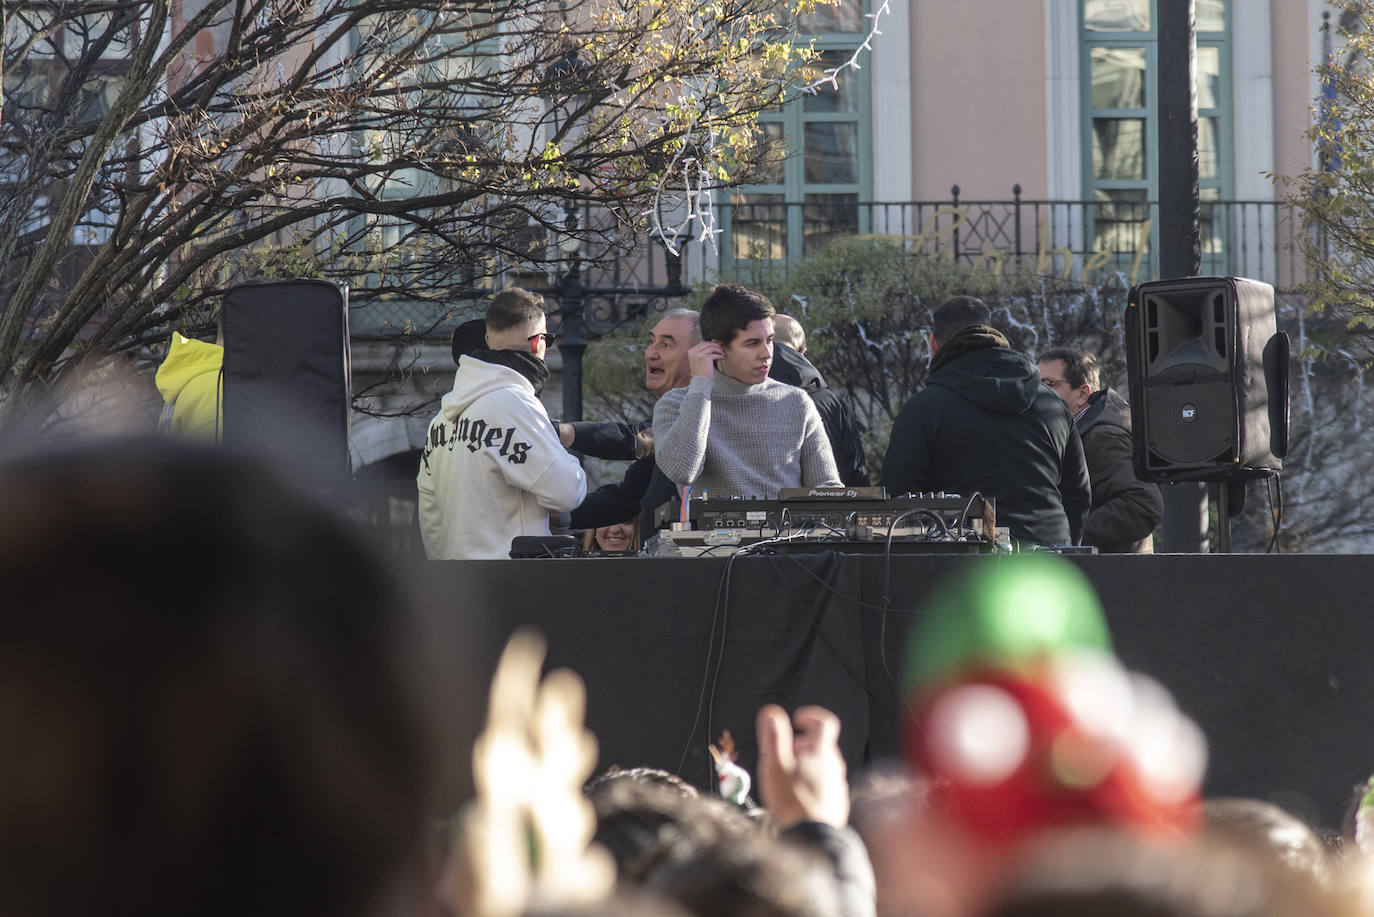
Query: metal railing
point(1088, 241)
point(624, 276)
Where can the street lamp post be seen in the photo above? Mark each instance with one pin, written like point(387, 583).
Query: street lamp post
point(573, 297)
point(571, 344)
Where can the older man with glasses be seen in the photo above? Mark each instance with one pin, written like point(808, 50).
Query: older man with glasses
point(1125, 509)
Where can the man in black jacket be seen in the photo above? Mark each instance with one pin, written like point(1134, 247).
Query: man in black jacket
point(1125, 509)
point(790, 365)
point(985, 424)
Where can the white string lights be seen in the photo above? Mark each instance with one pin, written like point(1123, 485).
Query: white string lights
point(688, 172)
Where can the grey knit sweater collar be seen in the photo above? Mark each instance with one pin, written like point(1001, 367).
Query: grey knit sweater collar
point(722, 384)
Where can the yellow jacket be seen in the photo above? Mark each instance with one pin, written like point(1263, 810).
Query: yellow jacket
point(190, 382)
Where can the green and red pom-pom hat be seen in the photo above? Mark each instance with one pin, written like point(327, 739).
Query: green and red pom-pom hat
point(1025, 720)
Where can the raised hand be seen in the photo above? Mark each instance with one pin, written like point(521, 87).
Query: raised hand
point(801, 773)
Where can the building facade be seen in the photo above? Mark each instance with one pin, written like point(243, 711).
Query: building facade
point(1032, 127)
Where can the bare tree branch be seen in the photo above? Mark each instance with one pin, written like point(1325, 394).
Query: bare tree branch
point(155, 151)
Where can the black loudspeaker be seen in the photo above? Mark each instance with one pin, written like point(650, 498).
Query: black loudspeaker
point(287, 376)
point(1208, 379)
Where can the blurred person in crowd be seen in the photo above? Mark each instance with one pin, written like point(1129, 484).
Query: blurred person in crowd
point(790, 365)
point(750, 876)
point(1125, 509)
point(733, 431)
point(804, 787)
point(884, 802)
point(1357, 826)
point(1116, 873)
point(1025, 723)
point(648, 821)
point(620, 538)
point(636, 902)
point(492, 467)
point(715, 859)
point(216, 700)
point(655, 775)
point(1268, 829)
point(984, 424)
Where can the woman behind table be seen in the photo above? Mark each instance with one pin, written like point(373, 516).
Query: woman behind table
point(621, 538)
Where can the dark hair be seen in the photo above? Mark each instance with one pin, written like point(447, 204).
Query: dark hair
point(213, 703)
point(655, 775)
point(751, 876)
point(1080, 367)
point(957, 313)
point(513, 308)
point(647, 823)
point(729, 310)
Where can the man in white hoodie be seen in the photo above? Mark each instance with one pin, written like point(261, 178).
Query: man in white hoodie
point(492, 467)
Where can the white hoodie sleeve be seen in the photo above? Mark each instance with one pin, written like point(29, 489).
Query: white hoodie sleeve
point(539, 464)
point(431, 514)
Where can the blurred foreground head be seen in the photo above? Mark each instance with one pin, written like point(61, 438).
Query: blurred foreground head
point(1023, 718)
point(210, 695)
point(1088, 873)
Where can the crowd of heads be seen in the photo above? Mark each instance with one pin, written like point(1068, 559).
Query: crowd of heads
point(202, 716)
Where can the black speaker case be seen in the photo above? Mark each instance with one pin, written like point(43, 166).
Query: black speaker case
point(287, 376)
point(1214, 379)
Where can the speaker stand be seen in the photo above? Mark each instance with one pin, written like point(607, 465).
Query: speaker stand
point(1185, 527)
point(1230, 501)
point(1224, 516)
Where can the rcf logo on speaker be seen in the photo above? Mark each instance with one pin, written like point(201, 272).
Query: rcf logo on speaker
point(1189, 413)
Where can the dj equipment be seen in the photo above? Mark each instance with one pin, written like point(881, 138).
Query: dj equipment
point(850, 520)
point(910, 515)
point(724, 542)
point(544, 546)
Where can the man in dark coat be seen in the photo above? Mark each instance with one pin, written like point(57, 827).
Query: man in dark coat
point(790, 365)
point(1125, 509)
point(985, 424)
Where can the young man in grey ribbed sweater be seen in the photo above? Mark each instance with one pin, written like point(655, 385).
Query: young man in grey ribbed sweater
point(733, 430)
